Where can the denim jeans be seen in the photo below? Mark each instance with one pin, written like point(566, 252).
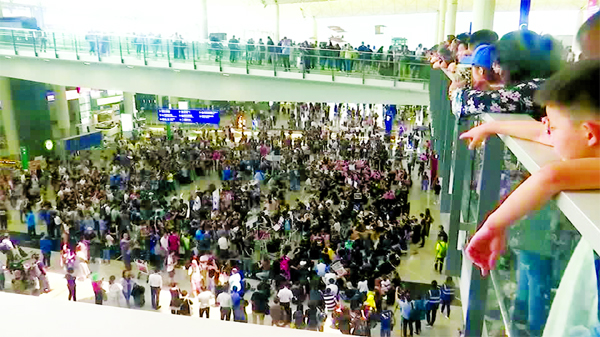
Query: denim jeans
point(154, 296)
point(533, 291)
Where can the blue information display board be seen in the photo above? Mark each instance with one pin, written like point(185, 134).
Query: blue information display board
point(83, 142)
point(189, 116)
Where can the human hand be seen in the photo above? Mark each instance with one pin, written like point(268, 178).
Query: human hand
point(456, 85)
point(452, 67)
point(485, 247)
point(476, 135)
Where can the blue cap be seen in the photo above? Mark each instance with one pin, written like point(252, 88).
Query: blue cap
point(483, 56)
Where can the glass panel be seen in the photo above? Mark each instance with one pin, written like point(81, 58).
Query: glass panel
point(472, 182)
point(528, 274)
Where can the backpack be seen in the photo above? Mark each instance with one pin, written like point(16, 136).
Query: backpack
point(414, 313)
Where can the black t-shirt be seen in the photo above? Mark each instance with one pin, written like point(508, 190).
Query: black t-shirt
point(260, 302)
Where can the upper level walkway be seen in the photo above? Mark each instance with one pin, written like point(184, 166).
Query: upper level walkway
point(205, 70)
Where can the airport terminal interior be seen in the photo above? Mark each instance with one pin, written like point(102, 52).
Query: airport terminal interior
point(345, 167)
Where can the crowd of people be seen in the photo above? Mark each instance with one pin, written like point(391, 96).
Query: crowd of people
point(395, 60)
point(331, 252)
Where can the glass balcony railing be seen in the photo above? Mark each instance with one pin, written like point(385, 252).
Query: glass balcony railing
point(525, 294)
point(214, 55)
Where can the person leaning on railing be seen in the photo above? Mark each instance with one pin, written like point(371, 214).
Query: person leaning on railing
point(572, 127)
point(515, 66)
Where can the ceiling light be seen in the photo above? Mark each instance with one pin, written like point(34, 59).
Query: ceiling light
point(46, 60)
point(130, 67)
point(226, 75)
point(86, 63)
point(8, 57)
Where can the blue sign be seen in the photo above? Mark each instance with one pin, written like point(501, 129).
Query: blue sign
point(83, 142)
point(189, 116)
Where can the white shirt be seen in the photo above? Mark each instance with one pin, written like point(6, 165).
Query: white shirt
point(235, 280)
point(224, 300)
point(204, 299)
point(155, 280)
point(363, 287)
point(285, 295)
point(223, 243)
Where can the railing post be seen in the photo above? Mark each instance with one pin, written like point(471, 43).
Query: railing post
point(34, 44)
point(144, 51)
point(54, 41)
point(12, 33)
point(488, 198)
point(194, 54)
point(76, 47)
point(247, 65)
point(169, 54)
point(98, 50)
point(274, 60)
point(458, 163)
point(127, 44)
point(121, 51)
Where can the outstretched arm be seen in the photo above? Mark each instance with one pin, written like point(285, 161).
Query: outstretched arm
point(530, 130)
point(537, 190)
point(489, 241)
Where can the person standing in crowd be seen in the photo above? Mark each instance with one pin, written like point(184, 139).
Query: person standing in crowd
point(285, 297)
point(420, 313)
point(260, 303)
point(175, 303)
point(407, 307)
point(387, 321)
point(128, 283)
point(276, 313)
point(98, 290)
point(31, 223)
point(155, 282)
point(225, 303)
point(185, 309)
point(126, 251)
point(433, 303)
point(441, 247)
point(3, 217)
point(447, 295)
point(71, 285)
point(46, 248)
point(204, 301)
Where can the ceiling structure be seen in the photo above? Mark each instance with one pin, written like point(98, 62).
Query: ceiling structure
point(350, 8)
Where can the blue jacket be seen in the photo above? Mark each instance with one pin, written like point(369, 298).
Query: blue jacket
point(46, 245)
point(30, 220)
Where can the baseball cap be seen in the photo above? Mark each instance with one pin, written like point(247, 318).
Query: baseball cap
point(484, 56)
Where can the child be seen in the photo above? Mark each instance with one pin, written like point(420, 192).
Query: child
point(572, 127)
point(71, 284)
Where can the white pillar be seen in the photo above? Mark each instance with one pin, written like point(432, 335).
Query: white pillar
point(128, 114)
point(8, 119)
point(441, 21)
point(483, 14)
point(276, 23)
point(61, 111)
point(450, 28)
point(315, 29)
point(575, 47)
point(436, 38)
point(204, 20)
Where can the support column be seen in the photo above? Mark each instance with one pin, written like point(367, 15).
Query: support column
point(442, 21)
point(11, 134)
point(315, 29)
point(159, 101)
point(276, 23)
point(128, 113)
point(524, 14)
point(483, 14)
point(60, 110)
point(203, 20)
point(450, 27)
point(436, 38)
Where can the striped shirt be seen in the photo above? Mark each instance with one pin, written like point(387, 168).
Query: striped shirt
point(329, 301)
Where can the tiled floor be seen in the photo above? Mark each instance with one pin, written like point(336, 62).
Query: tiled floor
point(416, 267)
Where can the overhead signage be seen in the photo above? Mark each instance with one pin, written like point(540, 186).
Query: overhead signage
point(190, 116)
